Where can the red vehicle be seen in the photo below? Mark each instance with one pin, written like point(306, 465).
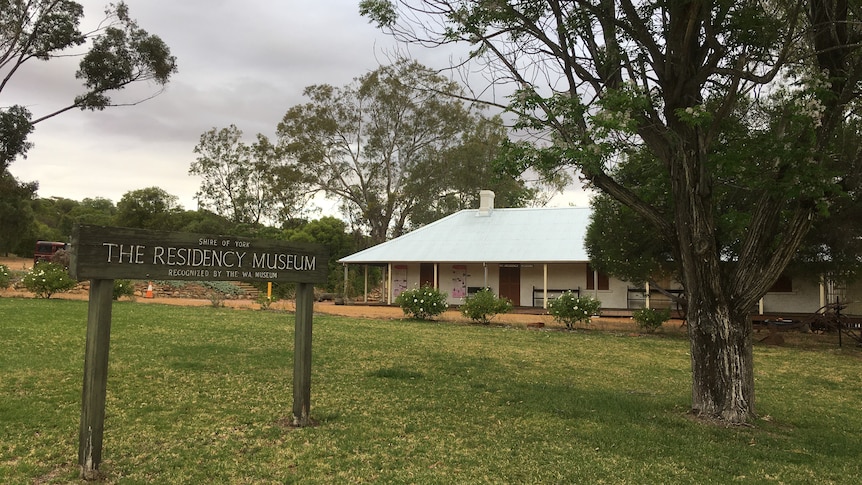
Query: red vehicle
point(46, 249)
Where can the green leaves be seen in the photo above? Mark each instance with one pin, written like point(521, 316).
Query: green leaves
point(15, 127)
point(38, 29)
point(650, 319)
point(571, 309)
point(484, 305)
point(122, 54)
point(149, 208)
point(245, 183)
point(422, 303)
point(5, 277)
point(46, 278)
point(382, 12)
point(396, 147)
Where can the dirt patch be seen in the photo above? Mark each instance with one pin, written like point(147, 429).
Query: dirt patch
point(17, 264)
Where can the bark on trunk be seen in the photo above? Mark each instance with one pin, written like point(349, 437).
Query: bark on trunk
point(719, 332)
point(722, 364)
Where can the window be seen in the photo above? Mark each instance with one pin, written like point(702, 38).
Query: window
point(603, 280)
point(784, 284)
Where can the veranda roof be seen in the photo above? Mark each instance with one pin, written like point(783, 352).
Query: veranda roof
point(529, 235)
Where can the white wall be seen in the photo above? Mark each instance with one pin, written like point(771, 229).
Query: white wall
point(805, 298)
point(853, 297)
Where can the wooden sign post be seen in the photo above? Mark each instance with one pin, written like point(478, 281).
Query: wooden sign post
point(103, 254)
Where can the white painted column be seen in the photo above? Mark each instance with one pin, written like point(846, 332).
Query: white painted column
point(365, 299)
point(646, 298)
point(485, 267)
point(822, 291)
point(344, 290)
point(545, 286)
point(436, 282)
point(389, 284)
point(595, 284)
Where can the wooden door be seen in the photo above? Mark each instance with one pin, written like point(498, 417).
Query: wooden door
point(426, 275)
point(510, 283)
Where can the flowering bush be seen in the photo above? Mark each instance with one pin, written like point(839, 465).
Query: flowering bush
point(46, 278)
point(650, 319)
point(422, 303)
point(123, 288)
point(570, 309)
point(5, 277)
point(484, 305)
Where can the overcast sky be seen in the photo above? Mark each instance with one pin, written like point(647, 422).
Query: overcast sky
point(242, 62)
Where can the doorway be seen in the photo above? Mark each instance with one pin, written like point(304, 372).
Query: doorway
point(510, 282)
point(426, 275)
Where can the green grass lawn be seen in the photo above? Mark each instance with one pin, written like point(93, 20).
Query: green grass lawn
point(201, 395)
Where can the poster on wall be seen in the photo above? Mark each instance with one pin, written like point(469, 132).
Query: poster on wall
point(399, 279)
point(459, 281)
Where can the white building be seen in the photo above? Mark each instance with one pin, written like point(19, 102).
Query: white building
point(529, 255)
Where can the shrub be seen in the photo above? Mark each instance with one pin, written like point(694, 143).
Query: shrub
point(216, 299)
point(265, 302)
point(570, 309)
point(5, 277)
point(650, 319)
point(422, 303)
point(484, 305)
point(123, 288)
point(61, 257)
point(224, 287)
point(46, 278)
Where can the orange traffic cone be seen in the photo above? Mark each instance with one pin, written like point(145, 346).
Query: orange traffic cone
point(149, 290)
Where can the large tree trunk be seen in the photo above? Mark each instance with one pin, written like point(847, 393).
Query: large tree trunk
point(722, 365)
point(719, 331)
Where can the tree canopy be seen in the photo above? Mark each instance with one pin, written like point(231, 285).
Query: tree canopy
point(148, 208)
point(394, 147)
point(750, 106)
point(16, 212)
point(245, 183)
point(116, 55)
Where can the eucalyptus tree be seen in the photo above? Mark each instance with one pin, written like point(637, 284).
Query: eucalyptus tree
point(244, 183)
point(116, 55)
point(469, 167)
point(17, 218)
point(383, 145)
point(148, 208)
point(605, 78)
point(97, 210)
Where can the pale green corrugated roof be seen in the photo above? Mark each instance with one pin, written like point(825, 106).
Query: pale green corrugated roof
point(537, 235)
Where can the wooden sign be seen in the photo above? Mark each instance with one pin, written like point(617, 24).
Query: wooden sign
point(114, 252)
point(103, 254)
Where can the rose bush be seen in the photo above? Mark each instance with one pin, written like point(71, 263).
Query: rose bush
point(422, 303)
point(484, 305)
point(650, 319)
point(46, 278)
point(571, 309)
